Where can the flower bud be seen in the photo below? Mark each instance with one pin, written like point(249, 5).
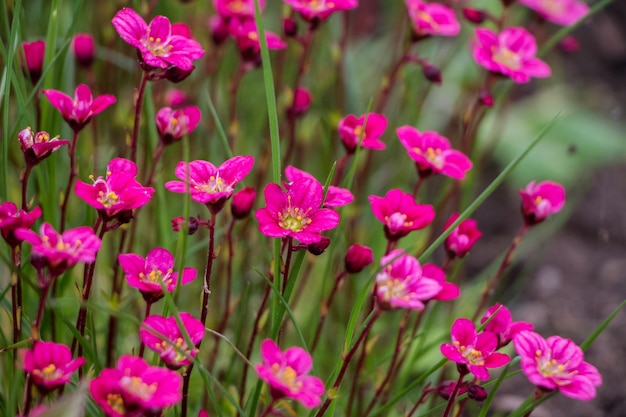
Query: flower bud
point(357, 258)
point(178, 222)
point(242, 203)
point(301, 102)
point(318, 248)
point(446, 389)
point(290, 27)
point(84, 48)
point(485, 98)
point(175, 98)
point(218, 27)
point(569, 45)
point(34, 55)
point(432, 73)
point(476, 392)
point(475, 16)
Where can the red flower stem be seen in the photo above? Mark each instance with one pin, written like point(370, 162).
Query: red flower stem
point(116, 295)
point(325, 307)
point(25, 177)
point(42, 302)
point(506, 261)
point(421, 400)
point(207, 271)
point(390, 82)
point(355, 380)
point(287, 264)
point(348, 358)
point(341, 166)
point(156, 157)
point(27, 396)
point(16, 294)
point(269, 408)
point(70, 180)
point(142, 347)
point(185, 401)
point(138, 108)
point(537, 394)
point(455, 392)
point(416, 190)
point(233, 124)
point(461, 407)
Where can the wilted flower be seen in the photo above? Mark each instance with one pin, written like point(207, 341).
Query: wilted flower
point(366, 129)
point(12, 219)
point(400, 214)
point(38, 146)
point(84, 49)
point(561, 12)
point(541, 200)
point(170, 342)
point(78, 111)
point(174, 124)
point(50, 364)
point(34, 54)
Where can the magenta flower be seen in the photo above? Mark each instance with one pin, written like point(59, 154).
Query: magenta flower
point(541, 200)
point(433, 19)
point(163, 336)
point(502, 324)
point(462, 238)
point(511, 53)
point(117, 194)
point(399, 213)
point(557, 363)
point(449, 291)
point(12, 219)
point(561, 12)
point(150, 274)
point(319, 10)
point(247, 36)
point(134, 388)
point(296, 212)
point(476, 351)
point(78, 111)
point(351, 131)
point(335, 196)
point(242, 203)
point(34, 53)
point(174, 124)
point(433, 154)
point(210, 185)
point(236, 8)
point(50, 364)
point(301, 102)
point(38, 146)
point(84, 48)
point(175, 97)
point(60, 252)
point(156, 44)
point(357, 258)
point(287, 374)
point(400, 284)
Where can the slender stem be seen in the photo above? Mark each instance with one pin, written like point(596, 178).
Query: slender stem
point(416, 190)
point(42, 302)
point(138, 108)
point(390, 82)
point(341, 166)
point(142, 347)
point(233, 124)
point(287, 263)
point(207, 271)
point(156, 157)
point(16, 294)
point(186, 380)
point(269, 408)
point(325, 307)
point(425, 393)
point(27, 396)
point(25, 177)
point(455, 392)
point(116, 295)
point(537, 394)
point(70, 180)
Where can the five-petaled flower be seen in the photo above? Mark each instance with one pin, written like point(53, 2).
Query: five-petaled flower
point(541, 200)
point(561, 12)
point(557, 363)
point(50, 364)
point(78, 111)
point(12, 219)
point(432, 19)
point(367, 129)
point(174, 124)
point(502, 324)
point(462, 238)
point(400, 214)
point(287, 374)
point(38, 146)
point(162, 335)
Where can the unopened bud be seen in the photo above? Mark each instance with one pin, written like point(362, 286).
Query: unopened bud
point(485, 98)
point(476, 392)
point(432, 73)
point(301, 102)
point(357, 258)
point(290, 27)
point(569, 45)
point(178, 222)
point(218, 27)
point(84, 49)
point(318, 248)
point(475, 16)
point(242, 203)
point(33, 54)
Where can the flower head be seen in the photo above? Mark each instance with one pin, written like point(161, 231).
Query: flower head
point(38, 146)
point(320, 10)
point(174, 124)
point(367, 129)
point(246, 34)
point(287, 374)
point(12, 219)
point(84, 49)
point(50, 365)
point(462, 238)
point(561, 12)
point(433, 19)
point(511, 53)
point(357, 258)
point(399, 213)
point(236, 8)
point(34, 54)
point(557, 363)
point(242, 203)
point(173, 347)
point(335, 196)
point(433, 154)
point(449, 291)
point(502, 324)
point(541, 200)
point(78, 111)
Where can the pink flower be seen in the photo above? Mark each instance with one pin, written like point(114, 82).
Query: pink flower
point(561, 12)
point(174, 124)
point(335, 196)
point(175, 97)
point(449, 291)
point(157, 43)
point(246, 34)
point(236, 8)
point(242, 203)
point(476, 351)
point(319, 10)
point(296, 212)
point(12, 219)
point(38, 146)
point(351, 131)
point(34, 54)
point(170, 342)
point(50, 364)
point(150, 274)
point(400, 284)
point(432, 19)
point(84, 49)
point(210, 185)
point(301, 102)
point(134, 388)
point(541, 200)
point(117, 194)
point(432, 153)
point(557, 363)
point(462, 238)
point(511, 53)
point(399, 213)
point(357, 258)
point(78, 111)
point(502, 324)
point(287, 374)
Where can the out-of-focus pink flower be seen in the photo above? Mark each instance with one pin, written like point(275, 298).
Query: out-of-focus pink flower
point(541, 200)
point(462, 238)
point(502, 324)
point(33, 54)
point(12, 219)
point(351, 131)
point(174, 124)
point(433, 154)
point(175, 97)
point(319, 10)
point(335, 196)
point(400, 283)
point(38, 146)
point(50, 364)
point(149, 275)
point(219, 28)
point(173, 347)
point(449, 291)
point(433, 19)
point(399, 213)
point(301, 102)
point(568, 45)
point(210, 185)
point(247, 36)
point(242, 203)
point(475, 350)
point(511, 52)
point(287, 374)
point(84, 48)
point(78, 111)
point(557, 363)
point(237, 8)
point(357, 258)
point(296, 212)
point(561, 12)
point(134, 388)
point(178, 222)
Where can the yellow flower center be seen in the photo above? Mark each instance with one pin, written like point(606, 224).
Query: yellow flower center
point(473, 356)
point(136, 386)
point(287, 375)
point(116, 402)
point(506, 57)
point(294, 218)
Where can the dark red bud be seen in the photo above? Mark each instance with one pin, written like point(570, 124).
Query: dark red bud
point(290, 27)
point(242, 203)
point(476, 392)
point(485, 98)
point(475, 16)
point(432, 73)
point(318, 248)
point(569, 45)
point(357, 258)
point(178, 222)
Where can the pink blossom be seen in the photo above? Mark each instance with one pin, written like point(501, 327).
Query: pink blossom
point(12, 219)
point(174, 124)
point(502, 324)
point(296, 212)
point(561, 12)
point(449, 291)
point(175, 97)
point(135, 389)
point(34, 53)
point(236, 8)
point(242, 203)
point(335, 196)
point(541, 200)
point(474, 350)
point(357, 258)
point(246, 34)
point(511, 53)
point(78, 111)
point(399, 213)
point(351, 131)
point(158, 45)
point(319, 10)
point(400, 284)
point(84, 49)
point(287, 374)
point(162, 335)
point(301, 101)
point(557, 363)
point(432, 19)
point(433, 154)
point(462, 238)
point(210, 185)
point(38, 146)
point(50, 364)
point(149, 275)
